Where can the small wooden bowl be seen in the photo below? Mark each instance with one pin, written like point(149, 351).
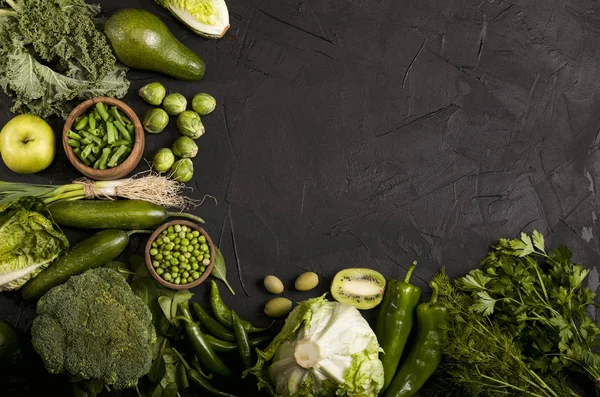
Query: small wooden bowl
point(161, 280)
point(110, 173)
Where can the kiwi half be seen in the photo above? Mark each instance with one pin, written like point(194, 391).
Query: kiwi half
point(360, 287)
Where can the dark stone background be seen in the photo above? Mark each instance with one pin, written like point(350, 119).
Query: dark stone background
point(372, 133)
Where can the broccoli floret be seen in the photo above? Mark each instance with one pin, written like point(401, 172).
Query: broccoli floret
point(94, 327)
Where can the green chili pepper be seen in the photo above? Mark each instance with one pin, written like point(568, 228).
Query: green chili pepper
point(223, 313)
point(197, 379)
point(241, 338)
point(223, 346)
point(394, 322)
point(212, 325)
point(197, 340)
point(425, 354)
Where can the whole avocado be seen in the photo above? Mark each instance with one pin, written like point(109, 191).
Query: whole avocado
point(142, 41)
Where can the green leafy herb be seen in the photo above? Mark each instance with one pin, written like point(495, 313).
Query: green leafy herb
point(480, 359)
point(220, 270)
point(538, 299)
point(52, 53)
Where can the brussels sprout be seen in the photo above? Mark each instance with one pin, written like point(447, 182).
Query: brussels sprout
point(163, 160)
point(153, 93)
point(185, 147)
point(182, 170)
point(190, 125)
point(155, 120)
point(203, 103)
point(174, 104)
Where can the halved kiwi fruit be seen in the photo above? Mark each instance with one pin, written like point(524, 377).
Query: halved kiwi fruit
point(360, 287)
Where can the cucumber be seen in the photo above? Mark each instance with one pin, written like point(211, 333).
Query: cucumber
point(92, 252)
point(112, 214)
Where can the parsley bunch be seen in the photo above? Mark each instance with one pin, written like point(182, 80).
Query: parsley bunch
point(538, 299)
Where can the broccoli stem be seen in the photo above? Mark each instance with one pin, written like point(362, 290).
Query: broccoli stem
point(8, 13)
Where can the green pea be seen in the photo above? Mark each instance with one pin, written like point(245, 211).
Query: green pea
point(154, 245)
point(196, 275)
point(177, 228)
point(202, 239)
point(171, 229)
point(177, 247)
point(190, 248)
point(185, 228)
point(174, 261)
point(200, 258)
point(176, 254)
point(153, 251)
point(197, 246)
point(202, 269)
point(174, 275)
point(196, 253)
point(160, 271)
point(195, 233)
point(170, 247)
point(195, 265)
point(185, 274)
point(193, 241)
point(155, 263)
point(207, 255)
point(178, 280)
point(187, 255)
point(183, 259)
point(189, 235)
point(168, 257)
point(166, 240)
point(190, 279)
point(167, 276)
point(159, 256)
point(204, 248)
point(177, 240)
point(185, 242)
point(159, 241)
point(206, 262)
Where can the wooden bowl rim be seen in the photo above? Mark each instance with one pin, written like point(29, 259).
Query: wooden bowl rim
point(126, 166)
point(162, 281)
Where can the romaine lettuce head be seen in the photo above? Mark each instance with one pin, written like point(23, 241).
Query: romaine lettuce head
point(208, 18)
point(324, 349)
point(29, 241)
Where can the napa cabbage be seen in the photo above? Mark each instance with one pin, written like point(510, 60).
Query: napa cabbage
point(208, 18)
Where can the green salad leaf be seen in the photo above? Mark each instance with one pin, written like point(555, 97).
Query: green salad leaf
point(29, 241)
point(51, 53)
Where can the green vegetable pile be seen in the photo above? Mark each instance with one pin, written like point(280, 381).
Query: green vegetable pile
point(103, 138)
point(93, 327)
point(51, 53)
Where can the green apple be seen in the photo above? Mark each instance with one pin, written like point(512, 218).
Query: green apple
point(27, 144)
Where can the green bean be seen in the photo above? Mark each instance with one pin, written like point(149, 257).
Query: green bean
point(114, 111)
point(77, 151)
point(104, 158)
point(91, 121)
point(74, 135)
point(85, 161)
point(130, 128)
point(94, 131)
point(94, 138)
point(81, 124)
point(91, 157)
point(102, 111)
point(97, 163)
point(115, 157)
point(73, 143)
point(124, 132)
point(121, 142)
point(111, 132)
point(86, 141)
point(96, 150)
point(85, 152)
point(96, 114)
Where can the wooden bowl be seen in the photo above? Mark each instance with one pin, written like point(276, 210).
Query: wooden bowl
point(162, 281)
point(110, 173)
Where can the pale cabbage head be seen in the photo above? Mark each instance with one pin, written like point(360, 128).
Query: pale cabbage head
point(209, 18)
point(324, 349)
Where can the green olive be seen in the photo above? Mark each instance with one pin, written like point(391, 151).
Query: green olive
point(273, 284)
point(307, 281)
point(278, 307)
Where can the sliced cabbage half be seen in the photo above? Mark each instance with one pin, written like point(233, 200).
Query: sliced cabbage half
point(208, 18)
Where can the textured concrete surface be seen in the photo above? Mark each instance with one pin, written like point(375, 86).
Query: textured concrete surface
point(372, 133)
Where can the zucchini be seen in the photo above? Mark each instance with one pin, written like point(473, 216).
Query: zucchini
point(92, 252)
point(112, 214)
